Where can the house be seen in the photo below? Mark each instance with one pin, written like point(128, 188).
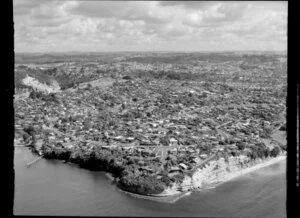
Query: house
point(173, 141)
point(145, 142)
point(174, 169)
point(204, 156)
point(146, 152)
point(195, 160)
point(159, 177)
point(183, 166)
point(173, 174)
point(128, 148)
point(130, 139)
point(119, 138)
point(173, 150)
point(147, 169)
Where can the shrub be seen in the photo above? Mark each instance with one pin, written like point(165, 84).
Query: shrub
point(267, 152)
point(89, 86)
point(241, 145)
point(165, 179)
point(76, 157)
point(233, 153)
point(253, 154)
point(29, 129)
point(260, 152)
point(179, 178)
point(275, 152)
point(62, 154)
point(222, 143)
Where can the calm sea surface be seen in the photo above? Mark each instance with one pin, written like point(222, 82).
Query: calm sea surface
point(55, 188)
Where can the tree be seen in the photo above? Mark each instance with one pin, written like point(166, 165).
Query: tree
point(89, 86)
point(275, 151)
point(267, 152)
point(166, 179)
point(241, 145)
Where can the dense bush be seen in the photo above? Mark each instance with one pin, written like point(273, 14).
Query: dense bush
point(165, 179)
point(63, 154)
point(267, 152)
point(222, 143)
point(45, 97)
point(76, 157)
point(142, 184)
point(275, 152)
point(179, 178)
point(68, 85)
point(49, 152)
point(252, 154)
point(260, 152)
point(233, 153)
point(65, 82)
point(241, 145)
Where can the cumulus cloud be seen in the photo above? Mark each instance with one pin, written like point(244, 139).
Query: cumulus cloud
point(24, 7)
point(188, 4)
point(122, 10)
point(141, 25)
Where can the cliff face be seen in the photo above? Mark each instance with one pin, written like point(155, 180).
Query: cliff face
point(34, 83)
point(217, 171)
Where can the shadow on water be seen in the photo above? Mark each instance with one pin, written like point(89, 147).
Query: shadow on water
point(55, 188)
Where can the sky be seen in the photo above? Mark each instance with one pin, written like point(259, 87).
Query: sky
point(100, 26)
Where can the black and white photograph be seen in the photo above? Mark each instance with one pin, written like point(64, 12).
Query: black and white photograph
point(150, 108)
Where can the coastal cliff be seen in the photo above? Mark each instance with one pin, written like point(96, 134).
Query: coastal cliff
point(213, 173)
point(220, 170)
point(213, 170)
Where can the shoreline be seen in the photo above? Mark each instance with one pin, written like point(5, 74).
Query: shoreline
point(174, 193)
point(261, 164)
point(179, 190)
point(166, 198)
point(250, 167)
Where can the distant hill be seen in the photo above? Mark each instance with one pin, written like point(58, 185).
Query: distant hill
point(28, 58)
point(142, 57)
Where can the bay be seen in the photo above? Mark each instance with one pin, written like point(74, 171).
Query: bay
point(51, 187)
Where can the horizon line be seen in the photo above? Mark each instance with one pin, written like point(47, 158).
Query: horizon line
point(149, 51)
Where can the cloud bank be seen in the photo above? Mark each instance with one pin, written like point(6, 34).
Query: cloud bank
point(54, 26)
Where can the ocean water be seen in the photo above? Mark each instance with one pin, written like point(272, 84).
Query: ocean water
point(51, 187)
